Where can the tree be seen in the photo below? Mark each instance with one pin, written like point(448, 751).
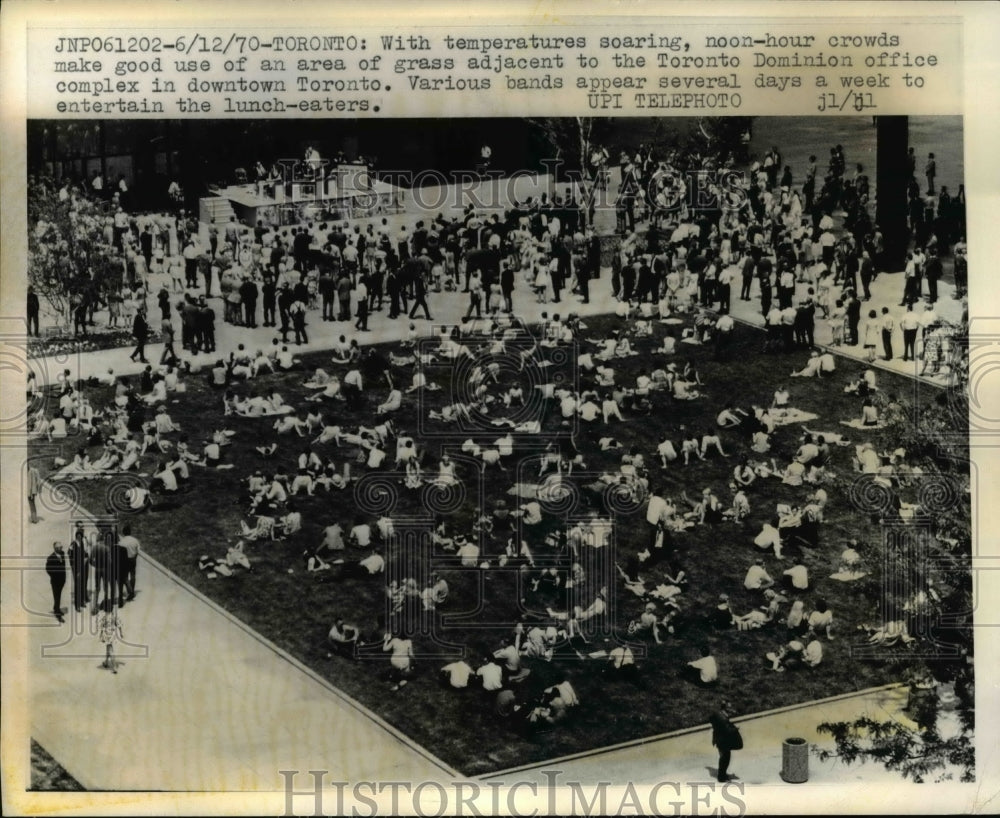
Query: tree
point(67, 257)
point(934, 435)
point(915, 753)
point(573, 139)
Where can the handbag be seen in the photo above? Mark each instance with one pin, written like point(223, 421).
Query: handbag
point(733, 736)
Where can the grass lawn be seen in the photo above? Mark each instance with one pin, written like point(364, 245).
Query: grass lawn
point(294, 608)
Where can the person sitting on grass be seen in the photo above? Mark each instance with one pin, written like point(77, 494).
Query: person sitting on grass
point(821, 619)
point(797, 577)
point(287, 362)
point(769, 537)
point(685, 389)
point(813, 653)
point(164, 479)
point(456, 675)
point(648, 622)
point(740, 509)
point(731, 417)
point(401, 661)
point(554, 705)
point(330, 390)
point(757, 578)
point(290, 423)
point(889, 634)
point(796, 621)
point(392, 403)
point(786, 657)
point(343, 639)
point(707, 510)
point(754, 619)
point(690, 445)
point(703, 671)
point(711, 440)
point(621, 664)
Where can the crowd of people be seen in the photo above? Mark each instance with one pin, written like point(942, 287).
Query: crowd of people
point(801, 252)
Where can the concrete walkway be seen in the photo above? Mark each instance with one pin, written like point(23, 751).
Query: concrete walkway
point(200, 703)
point(449, 308)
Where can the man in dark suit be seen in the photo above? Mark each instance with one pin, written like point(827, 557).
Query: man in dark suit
point(248, 294)
point(102, 557)
point(55, 567)
point(420, 298)
point(80, 567)
point(140, 331)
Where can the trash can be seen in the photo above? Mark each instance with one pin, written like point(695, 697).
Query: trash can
point(795, 761)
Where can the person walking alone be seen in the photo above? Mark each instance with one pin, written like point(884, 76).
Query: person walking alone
point(34, 487)
point(725, 738)
point(140, 331)
point(420, 298)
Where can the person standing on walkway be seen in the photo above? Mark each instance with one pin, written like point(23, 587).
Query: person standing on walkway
point(102, 558)
point(344, 287)
point(725, 738)
point(34, 309)
point(140, 331)
point(190, 264)
point(248, 295)
point(930, 172)
point(327, 291)
point(205, 318)
point(933, 271)
point(361, 301)
point(909, 323)
point(872, 326)
point(285, 300)
point(298, 314)
point(888, 324)
point(131, 546)
point(79, 564)
point(109, 631)
point(853, 313)
point(910, 285)
point(269, 296)
point(420, 298)
point(169, 355)
point(55, 567)
point(34, 486)
point(866, 270)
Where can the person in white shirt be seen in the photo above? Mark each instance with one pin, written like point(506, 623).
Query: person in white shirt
point(798, 577)
point(821, 620)
point(373, 564)
point(656, 516)
point(491, 675)
point(705, 670)
point(757, 578)
point(401, 659)
point(392, 402)
point(456, 674)
point(769, 537)
point(610, 409)
point(813, 653)
point(665, 449)
point(343, 638)
point(361, 534)
point(166, 477)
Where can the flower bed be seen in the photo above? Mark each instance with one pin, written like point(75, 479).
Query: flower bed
point(93, 341)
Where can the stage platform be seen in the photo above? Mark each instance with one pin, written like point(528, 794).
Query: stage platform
point(352, 194)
